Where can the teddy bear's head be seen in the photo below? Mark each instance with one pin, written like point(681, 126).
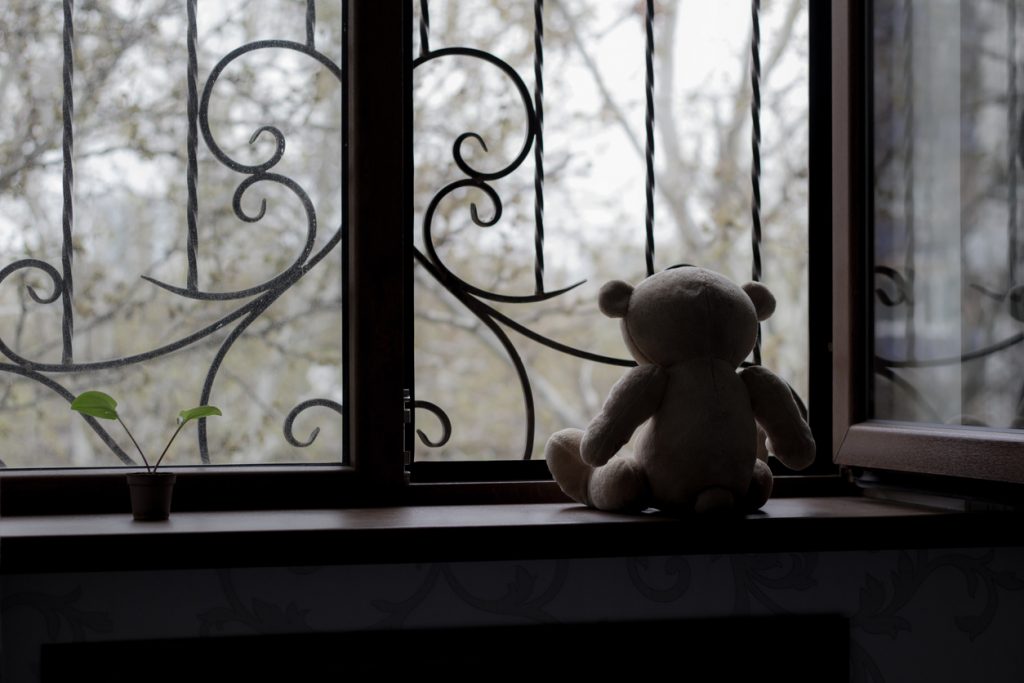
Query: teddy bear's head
point(687, 312)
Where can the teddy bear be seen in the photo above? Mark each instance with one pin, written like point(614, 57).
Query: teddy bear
point(699, 412)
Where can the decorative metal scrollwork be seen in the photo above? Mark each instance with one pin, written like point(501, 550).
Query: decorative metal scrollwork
point(260, 296)
point(904, 287)
point(290, 420)
point(468, 294)
point(474, 298)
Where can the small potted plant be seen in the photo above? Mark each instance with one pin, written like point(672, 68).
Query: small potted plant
point(150, 490)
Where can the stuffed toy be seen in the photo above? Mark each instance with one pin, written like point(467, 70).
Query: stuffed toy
point(688, 329)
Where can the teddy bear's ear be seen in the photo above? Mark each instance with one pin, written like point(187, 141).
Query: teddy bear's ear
point(764, 300)
point(613, 300)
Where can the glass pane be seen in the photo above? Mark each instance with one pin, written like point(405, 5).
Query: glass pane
point(593, 193)
point(262, 353)
point(948, 303)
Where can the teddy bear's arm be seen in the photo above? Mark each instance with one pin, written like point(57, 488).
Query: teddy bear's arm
point(789, 436)
point(633, 399)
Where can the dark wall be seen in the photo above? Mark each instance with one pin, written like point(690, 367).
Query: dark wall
point(914, 615)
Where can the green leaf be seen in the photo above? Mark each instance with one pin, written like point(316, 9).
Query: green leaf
point(95, 404)
point(198, 412)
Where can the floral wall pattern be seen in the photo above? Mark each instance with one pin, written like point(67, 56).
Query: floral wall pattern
point(929, 615)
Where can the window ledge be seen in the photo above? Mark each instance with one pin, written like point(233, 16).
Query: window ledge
point(477, 532)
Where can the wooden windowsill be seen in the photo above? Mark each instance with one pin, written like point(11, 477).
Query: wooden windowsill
point(477, 532)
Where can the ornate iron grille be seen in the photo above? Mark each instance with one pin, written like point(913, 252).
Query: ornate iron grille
point(248, 304)
point(485, 304)
point(496, 310)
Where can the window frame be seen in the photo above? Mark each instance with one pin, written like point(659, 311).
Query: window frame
point(820, 302)
point(371, 470)
point(967, 454)
point(378, 427)
point(378, 332)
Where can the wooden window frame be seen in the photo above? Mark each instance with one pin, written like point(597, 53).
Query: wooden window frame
point(985, 455)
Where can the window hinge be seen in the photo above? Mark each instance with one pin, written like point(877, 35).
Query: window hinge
point(407, 425)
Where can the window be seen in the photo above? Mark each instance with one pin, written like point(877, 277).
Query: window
point(547, 107)
point(927, 322)
point(112, 41)
point(177, 255)
point(372, 255)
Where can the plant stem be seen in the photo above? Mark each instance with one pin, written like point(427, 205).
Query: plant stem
point(148, 468)
point(160, 459)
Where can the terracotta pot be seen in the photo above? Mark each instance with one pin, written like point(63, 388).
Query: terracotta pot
point(151, 495)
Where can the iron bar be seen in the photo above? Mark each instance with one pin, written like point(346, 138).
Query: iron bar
point(538, 148)
point(910, 256)
point(311, 24)
point(424, 28)
point(68, 183)
point(1012, 132)
point(346, 344)
point(755, 152)
point(192, 142)
point(649, 131)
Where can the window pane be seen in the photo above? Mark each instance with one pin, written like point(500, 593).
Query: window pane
point(594, 203)
point(131, 219)
point(947, 170)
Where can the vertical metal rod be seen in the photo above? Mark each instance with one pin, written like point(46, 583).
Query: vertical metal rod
point(346, 373)
point(755, 150)
point(68, 214)
point(538, 150)
point(649, 124)
point(1011, 127)
point(910, 257)
point(192, 143)
point(424, 28)
point(311, 23)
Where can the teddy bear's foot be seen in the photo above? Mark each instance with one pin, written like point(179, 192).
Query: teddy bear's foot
point(618, 485)
point(562, 453)
point(714, 500)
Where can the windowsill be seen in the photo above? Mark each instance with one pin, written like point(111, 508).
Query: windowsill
point(477, 532)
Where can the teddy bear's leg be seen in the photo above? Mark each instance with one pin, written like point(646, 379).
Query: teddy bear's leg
point(714, 499)
point(562, 453)
point(620, 484)
point(760, 487)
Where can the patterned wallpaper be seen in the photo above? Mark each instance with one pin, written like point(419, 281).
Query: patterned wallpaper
point(915, 615)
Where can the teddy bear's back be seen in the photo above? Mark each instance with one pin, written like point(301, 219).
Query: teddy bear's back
point(702, 435)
